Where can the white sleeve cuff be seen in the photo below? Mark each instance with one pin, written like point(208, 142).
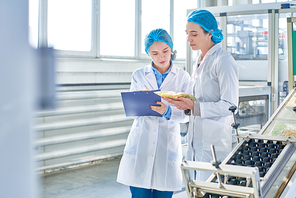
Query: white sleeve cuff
point(196, 109)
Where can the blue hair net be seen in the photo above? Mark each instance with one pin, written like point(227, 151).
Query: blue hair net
point(159, 35)
point(208, 22)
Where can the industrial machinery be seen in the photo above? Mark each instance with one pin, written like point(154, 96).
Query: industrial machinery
point(261, 165)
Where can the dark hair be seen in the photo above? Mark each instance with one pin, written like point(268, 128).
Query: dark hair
point(204, 30)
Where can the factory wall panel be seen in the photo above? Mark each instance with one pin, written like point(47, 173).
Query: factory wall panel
point(88, 71)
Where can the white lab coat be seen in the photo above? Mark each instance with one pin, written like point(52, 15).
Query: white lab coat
point(215, 84)
point(152, 155)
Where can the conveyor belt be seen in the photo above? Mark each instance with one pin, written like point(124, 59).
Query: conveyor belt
point(261, 165)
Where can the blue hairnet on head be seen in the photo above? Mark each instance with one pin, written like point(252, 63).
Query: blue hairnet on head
point(208, 22)
point(158, 35)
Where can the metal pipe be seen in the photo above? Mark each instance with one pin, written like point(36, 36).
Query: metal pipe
point(80, 109)
point(234, 125)
point(138, 19)
point(172, 18)
point(271, 59)
point(82, 136)
point(80, 150)
point(79, 123)
point(213, 153)
point(216, 163)
point(96, 23)
point(78, 161)
point(236, 132)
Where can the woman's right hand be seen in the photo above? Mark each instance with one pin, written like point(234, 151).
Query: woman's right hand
point(181, 103)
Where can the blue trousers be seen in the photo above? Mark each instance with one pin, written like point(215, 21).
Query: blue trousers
point(149, 193)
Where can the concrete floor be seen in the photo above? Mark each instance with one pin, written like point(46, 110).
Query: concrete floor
point(93, 181)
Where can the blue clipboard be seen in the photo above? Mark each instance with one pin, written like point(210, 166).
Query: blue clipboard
point(138, 103)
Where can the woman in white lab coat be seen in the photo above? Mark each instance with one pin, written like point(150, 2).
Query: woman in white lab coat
point(215, 84)
point(152, 156)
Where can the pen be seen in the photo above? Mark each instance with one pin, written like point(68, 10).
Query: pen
point(146, 88)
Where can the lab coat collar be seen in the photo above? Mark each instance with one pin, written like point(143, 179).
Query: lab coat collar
point(214, 49)
point(151, 76)
point(170, 75)
point(209, 53)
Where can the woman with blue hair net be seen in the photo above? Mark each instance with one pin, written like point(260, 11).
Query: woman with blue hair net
point(152, 156)
point(215, 84)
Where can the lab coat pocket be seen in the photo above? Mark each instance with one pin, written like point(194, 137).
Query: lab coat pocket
point(132, 142)
point(216, 133)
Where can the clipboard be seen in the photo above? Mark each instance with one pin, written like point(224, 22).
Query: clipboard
point(137, 103)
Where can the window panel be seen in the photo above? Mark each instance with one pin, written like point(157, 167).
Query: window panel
point(117, 27)
point(247, 36)
point(69, 24)
point(154, 17)
point(180, 20)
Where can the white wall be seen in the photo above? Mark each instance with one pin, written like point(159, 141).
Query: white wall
point(81, 71)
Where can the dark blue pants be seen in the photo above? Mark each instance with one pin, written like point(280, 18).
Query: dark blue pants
point(149, 193)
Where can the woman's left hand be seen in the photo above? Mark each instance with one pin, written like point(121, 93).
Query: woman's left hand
point(181, 103)
point(159, 109)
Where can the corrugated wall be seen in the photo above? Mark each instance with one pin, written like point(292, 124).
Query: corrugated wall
point(88, 124)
